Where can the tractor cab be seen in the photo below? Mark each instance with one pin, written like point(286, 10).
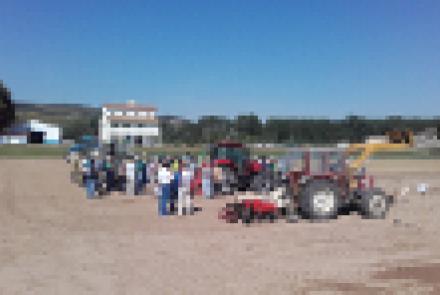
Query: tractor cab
point(230, 155)
point(305, 165)
point(316, 162)
point(234, 162)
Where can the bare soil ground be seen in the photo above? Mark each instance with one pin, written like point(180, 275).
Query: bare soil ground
point(55, 241)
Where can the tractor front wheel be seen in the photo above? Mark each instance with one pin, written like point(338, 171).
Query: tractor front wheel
point(319, 199)
point(374, 204)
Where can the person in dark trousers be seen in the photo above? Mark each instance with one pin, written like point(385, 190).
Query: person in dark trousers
point(122, 177)
point(144, 173)
point(110, 173)
point(174, 191)
point(139, 177)
point(164, 179)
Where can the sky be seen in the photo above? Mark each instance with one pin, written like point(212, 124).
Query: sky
point(191, 58)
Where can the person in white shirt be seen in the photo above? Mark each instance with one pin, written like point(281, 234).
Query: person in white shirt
point(207, 185)
point(164, 178)
point(184, 199)
point(130, 177)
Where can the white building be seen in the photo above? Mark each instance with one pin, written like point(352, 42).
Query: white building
point(32, 131)
point(44, 133)
point(129, 124)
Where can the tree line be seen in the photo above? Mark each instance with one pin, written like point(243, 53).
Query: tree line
point(78, 120)
point(7, 107)
point(251, 129)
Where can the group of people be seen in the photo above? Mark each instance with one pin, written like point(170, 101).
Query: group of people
point(174, 185)
point(170, 179)
point(173, 180)
point(103, 173)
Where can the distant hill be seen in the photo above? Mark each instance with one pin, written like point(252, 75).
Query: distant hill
point(75, 119)
point(55, 110)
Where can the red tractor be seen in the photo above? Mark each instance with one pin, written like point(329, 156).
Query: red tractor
point(231, 169)
point(318, 183)
point(326, 185)
point(233, 162)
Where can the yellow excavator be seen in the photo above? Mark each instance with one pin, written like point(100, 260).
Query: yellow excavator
point(397, 141)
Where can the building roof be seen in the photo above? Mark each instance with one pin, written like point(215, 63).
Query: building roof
point(36, 124)
point(131, 119)
point(16, 129)
point(134, 107)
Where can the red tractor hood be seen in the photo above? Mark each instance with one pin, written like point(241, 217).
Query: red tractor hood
point(223, 162)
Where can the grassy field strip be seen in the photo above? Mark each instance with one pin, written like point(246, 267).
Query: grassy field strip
point(59, 151)
point(31, 151)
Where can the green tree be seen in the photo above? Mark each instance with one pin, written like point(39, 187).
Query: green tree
point(249, 127)
point(7, 107)
point(214, 128)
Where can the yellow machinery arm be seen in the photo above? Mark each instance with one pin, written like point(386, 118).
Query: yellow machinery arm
point(367, 149)
point(397, 141)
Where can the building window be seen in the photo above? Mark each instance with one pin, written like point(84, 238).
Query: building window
point(114, 125)
point(140, 125)
point(131, 114)
point(126, 125)
point(152, 125)
point(138, 140)
point(151, 115)
point(118, 113)
point(143, 114)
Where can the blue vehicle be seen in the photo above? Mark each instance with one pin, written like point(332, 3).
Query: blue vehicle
point(85, 144)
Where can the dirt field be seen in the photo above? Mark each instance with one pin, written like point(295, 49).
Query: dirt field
point(55, 241)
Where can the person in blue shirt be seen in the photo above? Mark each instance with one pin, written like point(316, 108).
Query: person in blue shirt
point(91, 178)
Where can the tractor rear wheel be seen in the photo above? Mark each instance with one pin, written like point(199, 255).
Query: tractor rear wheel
point(319, 199)
point(374, 204)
